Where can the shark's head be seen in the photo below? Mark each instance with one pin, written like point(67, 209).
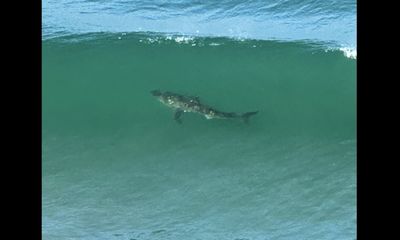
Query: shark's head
point(168, 98)
point(162, 97)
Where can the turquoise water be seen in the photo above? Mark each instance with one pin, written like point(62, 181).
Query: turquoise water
point(117, 166)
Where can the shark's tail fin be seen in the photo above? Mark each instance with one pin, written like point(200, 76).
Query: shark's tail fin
point(247, 115)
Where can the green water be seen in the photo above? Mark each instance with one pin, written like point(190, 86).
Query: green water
point(117, 166)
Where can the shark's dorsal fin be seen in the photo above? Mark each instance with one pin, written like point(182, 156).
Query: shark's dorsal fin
point(195, 99)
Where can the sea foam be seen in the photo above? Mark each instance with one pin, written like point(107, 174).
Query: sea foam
point(349, 52)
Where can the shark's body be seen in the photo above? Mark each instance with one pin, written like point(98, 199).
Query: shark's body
point(182, 104)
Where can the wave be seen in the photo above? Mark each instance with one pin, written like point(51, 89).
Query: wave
point(285, 79)
point(107, 143)
point(197, 41)
point(325, 21)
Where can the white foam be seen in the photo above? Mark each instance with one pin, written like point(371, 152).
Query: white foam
point(214, 44)
point(151, 40)
point(349, 52)
point(183, 39)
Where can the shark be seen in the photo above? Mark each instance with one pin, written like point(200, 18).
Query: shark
point(192, 104)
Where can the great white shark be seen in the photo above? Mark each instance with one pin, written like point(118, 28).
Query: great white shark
point(181, 104)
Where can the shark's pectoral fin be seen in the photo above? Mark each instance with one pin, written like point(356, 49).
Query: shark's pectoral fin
point(177, 116)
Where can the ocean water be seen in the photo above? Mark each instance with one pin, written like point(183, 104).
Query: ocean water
point(117, 166)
